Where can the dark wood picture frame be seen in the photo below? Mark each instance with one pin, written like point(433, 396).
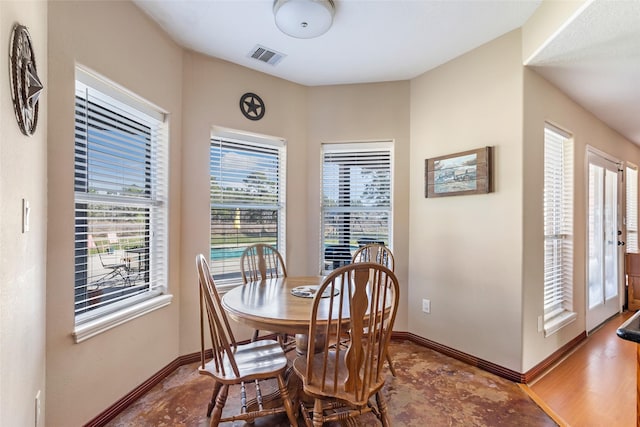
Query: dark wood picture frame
point(467, 172)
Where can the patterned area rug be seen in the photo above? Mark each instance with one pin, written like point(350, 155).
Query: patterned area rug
point(430, 390)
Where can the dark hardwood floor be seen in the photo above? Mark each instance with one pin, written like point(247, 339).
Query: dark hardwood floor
point(596, 384)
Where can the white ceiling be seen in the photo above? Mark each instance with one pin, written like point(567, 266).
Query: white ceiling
point(594, 59)
point(370, 41)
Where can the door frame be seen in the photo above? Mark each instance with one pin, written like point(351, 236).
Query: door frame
point(590, 150)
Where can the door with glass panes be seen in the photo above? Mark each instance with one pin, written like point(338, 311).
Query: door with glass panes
point(604, 239)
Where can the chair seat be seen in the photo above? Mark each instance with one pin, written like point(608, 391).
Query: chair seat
point(254, 360)
point(237, 364)
point(316, 389)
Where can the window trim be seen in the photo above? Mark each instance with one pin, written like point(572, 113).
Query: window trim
point(245, 137)
point(98, 320)
point(112, 318)
point(631, 206)
point(355, 146)
point(564, 315)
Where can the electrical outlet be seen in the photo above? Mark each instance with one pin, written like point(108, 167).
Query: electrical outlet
point(540, 326)
point(37, 409)
point(426, 305)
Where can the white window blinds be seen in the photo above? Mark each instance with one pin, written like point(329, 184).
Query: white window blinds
point(120, 200)
point(632, 209)
point(247, 190)
point(558, 224)
point(356, 199)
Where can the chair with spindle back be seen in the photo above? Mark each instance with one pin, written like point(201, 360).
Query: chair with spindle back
point(261, 261)
point(258, 262)
point(360, 300)
point(236, 364)
point(375, 252)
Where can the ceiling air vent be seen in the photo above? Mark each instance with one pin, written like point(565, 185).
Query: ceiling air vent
point(265, 54)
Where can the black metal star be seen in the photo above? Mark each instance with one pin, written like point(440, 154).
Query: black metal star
point(252, 106)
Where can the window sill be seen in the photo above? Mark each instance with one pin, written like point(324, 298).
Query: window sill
point(104, 323)
point(558, 322)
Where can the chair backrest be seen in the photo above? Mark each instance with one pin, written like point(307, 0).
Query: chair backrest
point(375, 252)
point(222, 340)
point(361, 301)
point(107, 257)
point(261, 261)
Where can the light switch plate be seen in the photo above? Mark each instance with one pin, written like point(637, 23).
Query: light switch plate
point(26, 210)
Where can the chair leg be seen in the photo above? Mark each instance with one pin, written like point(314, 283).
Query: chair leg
point(318, 413)
point(286, 400)
point(393, 371)
point(220, 401)
point(216, 389)
point(382, 407)
point(255, 335)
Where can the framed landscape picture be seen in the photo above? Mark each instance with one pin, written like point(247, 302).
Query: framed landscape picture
point(468, 172)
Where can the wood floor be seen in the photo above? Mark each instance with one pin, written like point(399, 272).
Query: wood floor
point(596, 384)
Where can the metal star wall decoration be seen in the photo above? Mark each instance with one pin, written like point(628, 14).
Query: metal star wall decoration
point(26, 86)
point(252, 106)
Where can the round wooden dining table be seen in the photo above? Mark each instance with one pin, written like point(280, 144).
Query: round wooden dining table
point(269, 304)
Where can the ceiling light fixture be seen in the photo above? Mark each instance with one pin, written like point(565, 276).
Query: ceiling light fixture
point(303, 19)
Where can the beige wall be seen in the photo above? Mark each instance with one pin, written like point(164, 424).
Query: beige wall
point(299, 115)
point(23, 168)
point(480, 258)
point(544, 102)
point(207, 97)
point(212, 89)
point(465, 252)
point(477, 258)
point(367, 112)
point(118, 41)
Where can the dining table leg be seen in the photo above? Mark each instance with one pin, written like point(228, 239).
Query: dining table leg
point(302, 343)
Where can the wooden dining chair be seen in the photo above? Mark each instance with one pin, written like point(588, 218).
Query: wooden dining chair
point(362, 300)
point(261, 261)
point(381, 254)
point(237, 364)
point(375, 252)
point(258, 262)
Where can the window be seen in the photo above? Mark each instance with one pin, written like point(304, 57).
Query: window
point(356, 199)
point(120, 190)
point(632, 209)
point(558, 229)
point(247, 187)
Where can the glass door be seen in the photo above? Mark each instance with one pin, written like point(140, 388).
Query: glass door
point(603, 274)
